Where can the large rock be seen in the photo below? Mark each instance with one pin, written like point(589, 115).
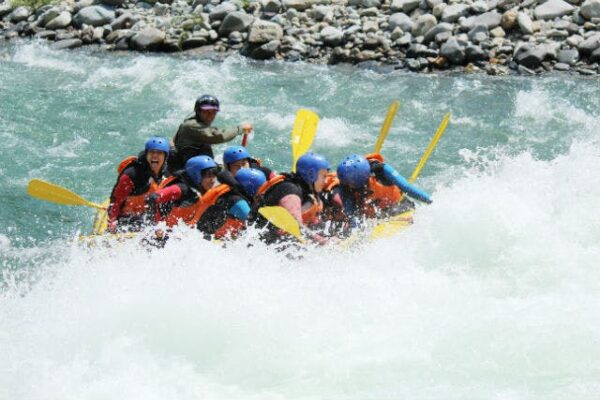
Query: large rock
point(5, 8)
point(149, 39)
point(236, 21)
point(568, 56)
point(48, 15)
point(478, 34)
point(489, 19)
point(270, 6)
point(595, 56)
point(589, 45)
point(404, 5)
point(61, 21)
point(19, 14)
point(530, 56)
point(509, 19)
point(266, 51)
point(454, 12)
point(94, 16)
point(299, 5)
point(332, 36)
point(400, 20)
point(453, 51)
point(125, 21)
point(66, 44)
point(590, 9)
point(553, 9)
point(439, 28)
point(525, 23)
point(264, 31)
point(423, 24)
point(220, 12)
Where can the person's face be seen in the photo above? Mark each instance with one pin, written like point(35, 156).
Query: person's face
point(208, 116)
point(208, 180)
point(320, 182)
point(235, 166)
point(156, 160)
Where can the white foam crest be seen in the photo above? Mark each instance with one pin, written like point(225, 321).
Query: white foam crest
point(338, 132)
point(539, 106)
point(38, 55)
point(136, 75)
point(68, 149)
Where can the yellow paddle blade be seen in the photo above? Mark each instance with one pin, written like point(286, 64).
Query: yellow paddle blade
point(57, 194)
point(282, 219)
point(303, 133)
point(389, 118)
point(432, 144)
point(101, 220)
point(393, 226)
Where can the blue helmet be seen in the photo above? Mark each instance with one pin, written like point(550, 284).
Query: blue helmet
point(195, 165)
point(250, 179)
point(235, 153)
point(157, 143)
point(309, 165)
point(354, 171)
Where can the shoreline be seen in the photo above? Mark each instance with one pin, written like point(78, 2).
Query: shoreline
point(497, 37)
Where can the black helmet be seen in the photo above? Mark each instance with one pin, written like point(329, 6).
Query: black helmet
point(206, 102)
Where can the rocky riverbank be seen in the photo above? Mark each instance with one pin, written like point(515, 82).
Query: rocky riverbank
point(496, 36)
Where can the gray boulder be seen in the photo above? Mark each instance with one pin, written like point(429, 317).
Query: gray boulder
point(270, 6)
point(568, 56)
point(125, 21)
point(525, 23)
point(19, 14)
point(332, 36)
point(66, 44)
point(423, 24)
point(454, 12)
point(530, 56)
point(5, 8)
point(220, 12)
point(478, 34)
point(149, 39)
point(475, 53)
point(236, 21)
point(266, 51)
point(264, 32)
point(299, 5)
point(439, 28)
point(590, 9)
point(48, 15)
point(400, 20)
point(589, 45)
point(94, 16)
point(595, 56)
point(404, 5)
point(553, 9)
point(61, 21)
point(453, 51)
point(489, 19)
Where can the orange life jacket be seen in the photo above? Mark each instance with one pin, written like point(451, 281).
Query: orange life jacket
point(380, 196)
point(190, 214)
point(136, 204)
point(310, 216)
point(230, 229)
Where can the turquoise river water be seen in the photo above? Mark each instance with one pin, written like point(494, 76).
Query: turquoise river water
point(494, 293)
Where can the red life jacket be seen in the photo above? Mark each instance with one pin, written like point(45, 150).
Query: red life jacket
point(191, 214)
point(135, 204)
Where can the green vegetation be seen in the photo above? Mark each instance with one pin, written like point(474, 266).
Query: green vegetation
point(33, 4)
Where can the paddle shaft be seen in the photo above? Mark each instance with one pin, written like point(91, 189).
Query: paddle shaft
point(387, 123)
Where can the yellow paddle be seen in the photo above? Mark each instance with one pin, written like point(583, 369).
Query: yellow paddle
point(438, 134)
point(57, 194)
point(281, 218)
point(303, 133)
point(387, 123)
